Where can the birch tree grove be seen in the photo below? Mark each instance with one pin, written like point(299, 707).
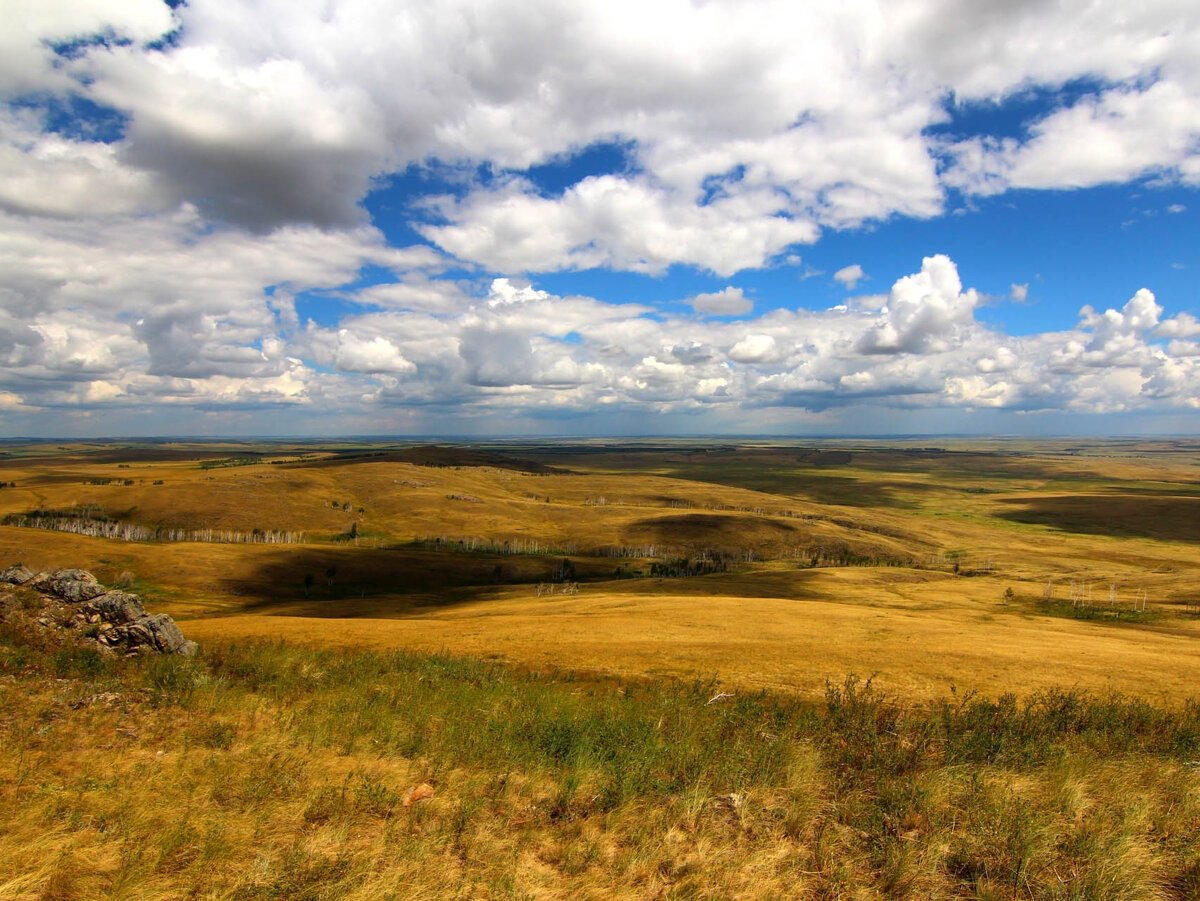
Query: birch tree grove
point(126, 531)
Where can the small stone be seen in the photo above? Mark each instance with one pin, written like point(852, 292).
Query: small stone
point(165, 635)
point(734, 801)
point(420, 793)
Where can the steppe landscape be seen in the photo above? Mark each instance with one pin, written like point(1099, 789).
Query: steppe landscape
point(599, 450)
point(790, 564)
point(643, 669)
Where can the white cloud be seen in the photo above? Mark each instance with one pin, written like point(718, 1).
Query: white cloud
point(357, 354)
point(729, 301)
point(616, 222)
point(262, 117)
point(46, 174)
point(753, 349)
point(515, 349)
point(1184, 325)
point(850, 276)
point(1114, 136)
point(27, 62)
point(504, 292)
point(178, 260)
point(1018, 293)
point(925, 311)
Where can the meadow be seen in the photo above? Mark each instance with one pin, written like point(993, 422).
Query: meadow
point(776, 566)
point(647, 669)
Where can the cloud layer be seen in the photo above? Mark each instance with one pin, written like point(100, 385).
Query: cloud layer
point(200, 333)
point(171, 181)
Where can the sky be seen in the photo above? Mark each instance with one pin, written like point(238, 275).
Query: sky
point(577, 218)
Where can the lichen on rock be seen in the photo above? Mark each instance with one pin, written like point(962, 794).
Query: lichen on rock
point(115, 620)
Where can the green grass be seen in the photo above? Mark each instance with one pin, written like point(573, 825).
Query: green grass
point(966, 797)
point(1099, 612)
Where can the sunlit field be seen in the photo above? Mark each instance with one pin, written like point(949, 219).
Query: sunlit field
point(637, 671)
point(1001, 568)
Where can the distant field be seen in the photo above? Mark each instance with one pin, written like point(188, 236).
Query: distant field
point(768, 564)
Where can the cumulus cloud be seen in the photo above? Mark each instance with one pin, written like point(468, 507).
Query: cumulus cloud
point(513, 349)
point(262, 119)
point(28, 62)
point(1113, 136)
point(170, 208)
point(753, 349)
point(925, 311)
point(729, 301)
point(850, 276)
point(1185, 325)
point(618, 223)
point(357, 354)
point(49, 175)
point(1018, 293)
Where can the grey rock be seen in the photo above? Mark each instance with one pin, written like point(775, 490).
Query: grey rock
point(151, 633)
point(16, 575)
point(122, 621)
point(75, 585)
point(117, 607)
point(41, 581)
point(165, 635)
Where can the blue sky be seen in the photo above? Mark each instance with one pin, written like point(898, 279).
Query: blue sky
point(370, 216)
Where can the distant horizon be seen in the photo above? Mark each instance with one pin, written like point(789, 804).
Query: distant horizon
point(541, 439)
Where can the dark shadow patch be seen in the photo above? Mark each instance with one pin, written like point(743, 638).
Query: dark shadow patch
point(1119, 516)
point(1176, 489)
point(431, 455)
point(705, 529)
point(378, 581)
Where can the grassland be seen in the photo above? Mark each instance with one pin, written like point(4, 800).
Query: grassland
point(888, 560)
point(536, 631)
point(270, 771)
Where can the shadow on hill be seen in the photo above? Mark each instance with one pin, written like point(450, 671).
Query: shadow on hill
point(821, 487)
point(1118, 516)
point(431, 455)
point(704, 530)
point(406, 577)
point(400, 583)
point(1177, 489)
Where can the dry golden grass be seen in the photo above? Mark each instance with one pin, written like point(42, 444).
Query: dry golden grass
point(271, 772)
point(277, 771)
point(914, 642)
point(1101, 516)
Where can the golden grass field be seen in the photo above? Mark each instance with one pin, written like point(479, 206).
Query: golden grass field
point(1010, 515)
point(654, 699)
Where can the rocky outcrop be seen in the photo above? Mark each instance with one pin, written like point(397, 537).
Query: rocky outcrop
point(115, 620)
point(16, 575)
point(117, 608)
point(157, 633)
point(75, 585)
